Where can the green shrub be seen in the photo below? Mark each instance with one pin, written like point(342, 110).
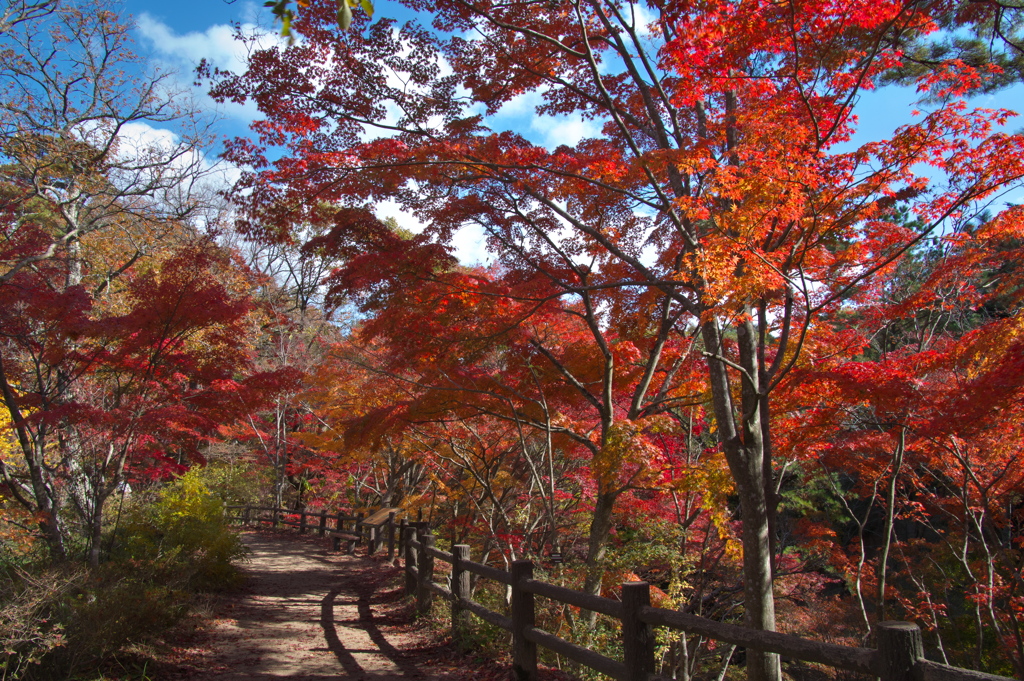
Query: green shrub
point(55, 623)
point(237, 484)
point(122, 603)
point(184, 531)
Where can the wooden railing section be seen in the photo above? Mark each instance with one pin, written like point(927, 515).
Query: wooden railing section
point(375, 530)
point(899, 655)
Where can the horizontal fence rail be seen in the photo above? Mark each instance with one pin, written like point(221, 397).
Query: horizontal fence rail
point(375, 530)
point(898, 657)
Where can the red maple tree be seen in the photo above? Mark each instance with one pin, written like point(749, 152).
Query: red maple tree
point(715, 205)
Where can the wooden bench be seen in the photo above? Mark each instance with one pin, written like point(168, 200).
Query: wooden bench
point(377, 521)
point(350, 541)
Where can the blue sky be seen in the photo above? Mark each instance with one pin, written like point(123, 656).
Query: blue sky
point(175, 35)
point(179, 34)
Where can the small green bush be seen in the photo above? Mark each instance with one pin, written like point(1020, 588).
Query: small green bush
point(237, 484)
point(183, 530)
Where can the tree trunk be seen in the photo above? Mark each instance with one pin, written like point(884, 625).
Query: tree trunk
point(96, 536)
point(597, 546)
point(48, 505)
point(743, 446)
point(890, 515)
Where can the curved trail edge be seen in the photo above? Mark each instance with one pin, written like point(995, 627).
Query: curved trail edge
point(307, 614)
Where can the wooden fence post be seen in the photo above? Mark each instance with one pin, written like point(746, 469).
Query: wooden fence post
point(401, 536)
point(899, 649)
point(637, 637)
point(460, 591)
point(391, 536)
point(302, 521)
point(323, 523)
point(426, 567)
point(359, 529)
point(410, 560)
point(246, 515)
point(524, 653)
point(277, 517)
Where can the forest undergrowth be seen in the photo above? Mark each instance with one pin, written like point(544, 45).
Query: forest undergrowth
point(166, 556)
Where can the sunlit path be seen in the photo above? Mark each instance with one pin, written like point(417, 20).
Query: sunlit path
point(307, 614)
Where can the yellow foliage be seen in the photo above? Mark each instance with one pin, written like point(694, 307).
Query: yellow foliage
point(9, 450)
point(17, 536)
point(989, 346)
point(628, 457)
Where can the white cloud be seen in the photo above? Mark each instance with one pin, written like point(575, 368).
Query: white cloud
point(520, 114)
point(178, 172)
point(470, 244)
point(137, 138)
point(181, 54)
point(559, 130)
point(216, 44)
point(523, 104)
point(140, 140)
point(391, 209)
point(643, 17)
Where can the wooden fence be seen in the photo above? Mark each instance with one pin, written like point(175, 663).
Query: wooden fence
point(372, 530)
point(898, 657)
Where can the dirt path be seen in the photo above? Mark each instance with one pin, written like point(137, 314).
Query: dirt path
point(309, 614)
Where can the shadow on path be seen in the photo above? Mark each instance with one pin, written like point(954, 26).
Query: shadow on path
point(365, 622)
point(307, 615)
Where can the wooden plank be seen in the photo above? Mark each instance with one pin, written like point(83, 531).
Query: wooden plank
point(488, 572)
point(843, 657)
point(899, 648)
point(926, 670)
point(461, 591)
point(391, 537)
point(605, 606)
point(410, 559)
point(425, 563)
point(521, 605)
point(585, 656)
point(441, 555)
point(486, 615)
point(441, 591)
point(350, 541)
point(637, 637)
point(380, 516)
